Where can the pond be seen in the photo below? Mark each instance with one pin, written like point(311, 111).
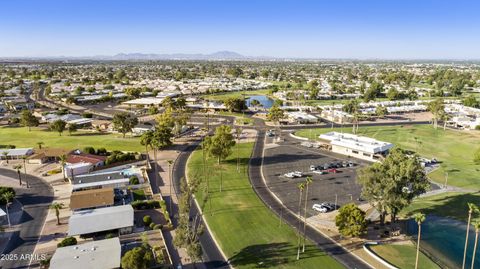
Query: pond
point(265, 101)
point(444, 240)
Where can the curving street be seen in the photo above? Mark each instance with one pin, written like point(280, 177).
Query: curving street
point(35, 201)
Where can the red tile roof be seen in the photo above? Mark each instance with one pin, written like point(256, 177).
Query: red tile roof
point(85, 158)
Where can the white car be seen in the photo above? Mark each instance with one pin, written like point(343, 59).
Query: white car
point(289, 175)
point(319, 208)
point(320, 172)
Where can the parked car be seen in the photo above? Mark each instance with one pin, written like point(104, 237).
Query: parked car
point(321, 172)
point(319, 208)
point(332, 170)
point(313, 167)
point(293, 174)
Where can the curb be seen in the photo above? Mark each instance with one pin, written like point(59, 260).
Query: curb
point(376, 257)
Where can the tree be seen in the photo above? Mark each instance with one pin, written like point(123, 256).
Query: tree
point(381, 111)
point(393, 94)
point(40, 144)
point(124, 122)
point(18, 167)
point(275, 114)
point(189, 227)
point(477, 229)
point(419, 219)
point(162, 137)
point(58, 126)
point(373, 91)
point(220, 146)
point(5, 154)
point(146, 140)
point(351, 220)
point(133, 92)
point(63, 161)
point(137, 258)
point(437, 108)
point(72, 127)
point(471, 101)
point(235, 104)
point(301, 187)
point(308, 180)
point(391, 185)
point(472, 208)
point(57, 207)
point(28, 120)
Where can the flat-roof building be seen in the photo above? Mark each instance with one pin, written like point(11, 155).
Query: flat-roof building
point(101, 254)
point(91, 198)
point(15, 153)
point(357, 146)
point(101, 219)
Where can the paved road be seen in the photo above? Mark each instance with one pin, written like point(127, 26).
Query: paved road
point(35, 202)
point(327, 245)
point(212, 257)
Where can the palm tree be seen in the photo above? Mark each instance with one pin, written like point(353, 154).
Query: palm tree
point(307, 182)
point(419, 218)
point(24, 158)
point(57, 207)
point(63, 161)
point(8, 197)
point(5, 154)
point(300, 186)
point(40, 144)
point(146, 140)
point(471, 209)
point(18, 167)
point(477, 229)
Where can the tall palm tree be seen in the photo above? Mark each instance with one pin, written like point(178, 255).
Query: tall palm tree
point(18, 167)
point(419, 218)
point(24, 158)
point(57, 207)
point(307, 182)
point(472, 208)
point(146, 140)
point(300, 186)
point(477, 229)
point(8, 197)
point(63, 160)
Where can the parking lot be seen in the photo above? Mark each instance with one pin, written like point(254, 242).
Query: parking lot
point(290, 156)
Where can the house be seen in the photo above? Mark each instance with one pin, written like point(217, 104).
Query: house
point(360, 147)
point(301, 117)
point(142, 128)
point(45, 155)
point(15, 153)
point(101, 220)
point(75, 169)
point(101, 254)
point(94, 160)
point(106, 179)
point(91, 198)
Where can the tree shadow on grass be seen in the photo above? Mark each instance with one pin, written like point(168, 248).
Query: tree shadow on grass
point(271, 255)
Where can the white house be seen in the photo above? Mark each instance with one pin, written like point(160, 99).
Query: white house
point(101, 254)
point(360, 147)
point(101, 219)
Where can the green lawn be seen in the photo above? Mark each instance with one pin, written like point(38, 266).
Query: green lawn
point(403, 256)
point(237, 94)
point(247, 231)
point(453, 148)
point(450, 204)
point(21, 137)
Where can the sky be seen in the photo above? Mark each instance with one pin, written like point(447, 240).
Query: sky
point(360, 29)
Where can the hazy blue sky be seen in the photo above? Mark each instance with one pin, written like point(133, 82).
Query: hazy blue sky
point(294, 28)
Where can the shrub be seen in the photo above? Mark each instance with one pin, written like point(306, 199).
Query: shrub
point(133, 180)
point(477, 127)
point(150, 204)
point(102, 151)
point(152, 225)
point(68, 241)
point(7, 146)
point(158, 227)
point(89, 150)
point(147, 220)
point(110, 235)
